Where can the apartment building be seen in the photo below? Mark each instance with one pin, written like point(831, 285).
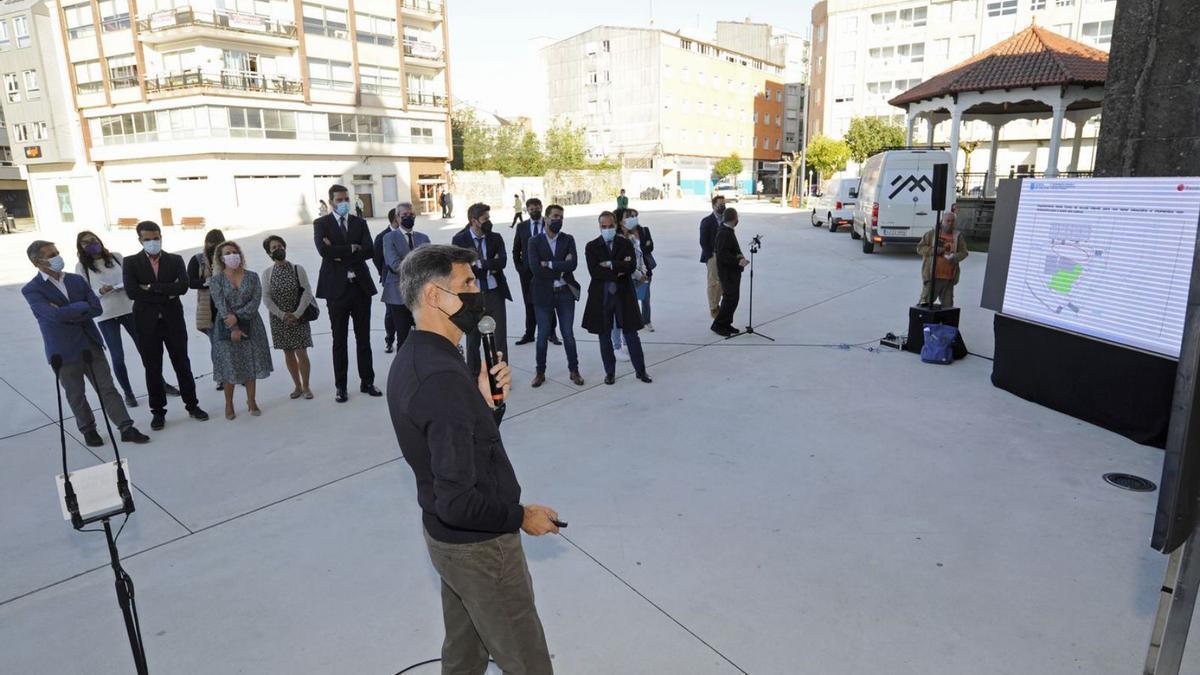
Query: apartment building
point(231, 111)
point(787, 48)
point(669, 104)
point(866, 52)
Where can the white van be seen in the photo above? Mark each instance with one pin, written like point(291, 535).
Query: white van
point(894, 205)
point(835, 206)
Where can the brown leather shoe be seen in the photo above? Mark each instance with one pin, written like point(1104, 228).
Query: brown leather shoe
point(576, 378)
point(538, 380)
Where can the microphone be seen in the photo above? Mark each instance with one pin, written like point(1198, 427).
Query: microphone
point(487, 331)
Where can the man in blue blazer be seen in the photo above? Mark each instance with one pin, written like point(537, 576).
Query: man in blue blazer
point(65, 305)
point(489, 272)
point(389, 328)
point(709, 227)
point(552, 258)
point(397, 244)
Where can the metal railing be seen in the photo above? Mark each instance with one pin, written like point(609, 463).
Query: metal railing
point(426, 6)
point(418, 51)
point(226, 79)
point(432, 100)
point(225, 20)
point(978, 184)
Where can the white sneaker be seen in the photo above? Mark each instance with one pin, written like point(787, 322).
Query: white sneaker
point(621, 354)
point(649, 327)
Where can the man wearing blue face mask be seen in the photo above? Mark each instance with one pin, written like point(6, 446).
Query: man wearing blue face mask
point(344, 242)
point(155, 280)
point(551, 257)
point(612, 301)
point(65, 305)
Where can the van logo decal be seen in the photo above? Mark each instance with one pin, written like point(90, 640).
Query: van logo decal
point(912, 183)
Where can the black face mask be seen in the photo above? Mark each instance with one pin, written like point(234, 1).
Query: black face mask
point(279, 254)
point(535, 215)
point(555, 226)
point(467, 317)
point(407, 222)
point(485, 227)
point(720, 208)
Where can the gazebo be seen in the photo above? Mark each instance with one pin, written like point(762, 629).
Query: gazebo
point(1035, 74)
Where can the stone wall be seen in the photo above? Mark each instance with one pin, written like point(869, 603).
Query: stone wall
point(582, 187)
point(469, 187)
point(1150, 125)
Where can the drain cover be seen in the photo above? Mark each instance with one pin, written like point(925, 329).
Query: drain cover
point(1129, 482)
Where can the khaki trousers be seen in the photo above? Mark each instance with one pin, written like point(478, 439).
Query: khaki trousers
point(714, 287)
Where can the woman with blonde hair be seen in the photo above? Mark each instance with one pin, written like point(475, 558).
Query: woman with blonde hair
point(240, 352)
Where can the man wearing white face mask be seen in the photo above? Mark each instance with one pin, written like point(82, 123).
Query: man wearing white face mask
point(155, 280)
point(65, 305)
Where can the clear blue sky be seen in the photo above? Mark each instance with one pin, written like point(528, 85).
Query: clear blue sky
point(491, 57)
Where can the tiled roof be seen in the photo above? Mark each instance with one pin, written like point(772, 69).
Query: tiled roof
point(1035, 57)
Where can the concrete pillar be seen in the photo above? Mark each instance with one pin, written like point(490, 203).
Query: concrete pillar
point(932, 126)
point(1077, 143)
point(955, 125)
point(989, 185)
point(1056, 126)
point(912, 121)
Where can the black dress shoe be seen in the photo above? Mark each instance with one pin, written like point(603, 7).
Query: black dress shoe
point(609, 379)
point(644, 377)
point(197, 414)
point(132, 435)
point(341, 396)
point(131, 401)
point(158, 421)
point(525, 339)
point(92, 438)
point(170, 390)
point(555, 340)
point(388, 348)
point(370, 390)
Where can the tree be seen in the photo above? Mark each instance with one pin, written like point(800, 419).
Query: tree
point(869, 135)
point(566, 146)
point(827, 156)
point(529, 160)
point(728, 166)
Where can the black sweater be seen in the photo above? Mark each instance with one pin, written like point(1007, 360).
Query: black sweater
point(466, 486)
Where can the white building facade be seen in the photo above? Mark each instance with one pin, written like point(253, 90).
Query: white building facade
point(226, 112)
point(866, 52)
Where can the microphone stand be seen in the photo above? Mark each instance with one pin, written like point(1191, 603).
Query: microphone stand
point(754, 244)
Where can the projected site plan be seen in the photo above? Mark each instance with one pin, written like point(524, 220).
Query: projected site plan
point(1106, 257)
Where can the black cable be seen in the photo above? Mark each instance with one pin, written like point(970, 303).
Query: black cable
point(425, 663)
point(989, 358)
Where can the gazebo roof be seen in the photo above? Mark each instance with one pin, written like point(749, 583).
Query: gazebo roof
point(1035, 57)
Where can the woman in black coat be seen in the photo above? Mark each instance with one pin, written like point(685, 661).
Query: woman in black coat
point(611, 261)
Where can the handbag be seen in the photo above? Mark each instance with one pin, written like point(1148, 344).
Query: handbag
point(204, 312)
point(311, 313)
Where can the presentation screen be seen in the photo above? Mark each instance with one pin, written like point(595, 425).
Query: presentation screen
point(1106, 257)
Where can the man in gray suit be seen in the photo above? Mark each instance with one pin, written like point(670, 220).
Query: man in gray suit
point(397, 244)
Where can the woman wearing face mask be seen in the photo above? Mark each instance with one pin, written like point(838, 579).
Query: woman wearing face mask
point(200, 271)
point(286, 293)
point(104, 273)
point(240, 352)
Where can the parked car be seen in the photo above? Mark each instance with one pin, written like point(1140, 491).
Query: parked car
point(894, 197)
point(836, 205)
point(728, 190)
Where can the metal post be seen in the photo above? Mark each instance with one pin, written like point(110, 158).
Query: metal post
point(803, 170)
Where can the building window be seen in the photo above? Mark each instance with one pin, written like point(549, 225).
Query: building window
point(1064, 3)
point(379, 80)
point(88, 78)
point(376, 30)
point(821, 33)
point(779, 96)
point(421, 134)
point(1063, 29)
point(779, 118)
point(326, 74)
point(79, 20)
point(607, 47)
point(114, 15)
point(63, 192)
point(4, 42)
point(1097, 32)
point(122, 71)
point(21, 30)
point(1035, 5)
point(1001, 7)
point(327, 21)
point(33, 88)
point(21, 132)
point(361, 128)
point(39, 131)
point(12, 87)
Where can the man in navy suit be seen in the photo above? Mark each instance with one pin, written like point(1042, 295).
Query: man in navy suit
point(526, 231)
point(611, 298)
point(552, 258)
point(65, 305)
point(344, 243)
point(489, 271)
point(389, 326)
point(397, 244)
point(709, 227)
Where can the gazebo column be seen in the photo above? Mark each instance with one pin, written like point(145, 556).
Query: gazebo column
point(1056, 126)
point(989, 185)
point(912, 121)
point(931, 120)
point(1077, 142)
point(955, 124)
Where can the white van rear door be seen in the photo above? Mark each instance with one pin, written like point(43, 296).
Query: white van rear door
point(903, 192)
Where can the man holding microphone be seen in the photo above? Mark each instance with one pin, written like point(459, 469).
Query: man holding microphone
point(448, 429)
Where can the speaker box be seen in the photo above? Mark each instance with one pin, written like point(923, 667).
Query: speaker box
point(918, 316)
point(941, 176)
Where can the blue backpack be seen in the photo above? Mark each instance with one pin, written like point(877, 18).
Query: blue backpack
point(939, 343)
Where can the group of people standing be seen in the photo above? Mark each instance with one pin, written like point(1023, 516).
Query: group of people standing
point(721, 252)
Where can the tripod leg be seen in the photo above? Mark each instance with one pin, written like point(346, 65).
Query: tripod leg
point(124, 587)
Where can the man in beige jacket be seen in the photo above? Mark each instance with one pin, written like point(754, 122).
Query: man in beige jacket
point(940, 279)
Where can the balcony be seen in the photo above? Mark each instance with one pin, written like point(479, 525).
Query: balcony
point(226, 80)
point(185, 23)
point(430, 10)
point(426, 100)
point(424, 53)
